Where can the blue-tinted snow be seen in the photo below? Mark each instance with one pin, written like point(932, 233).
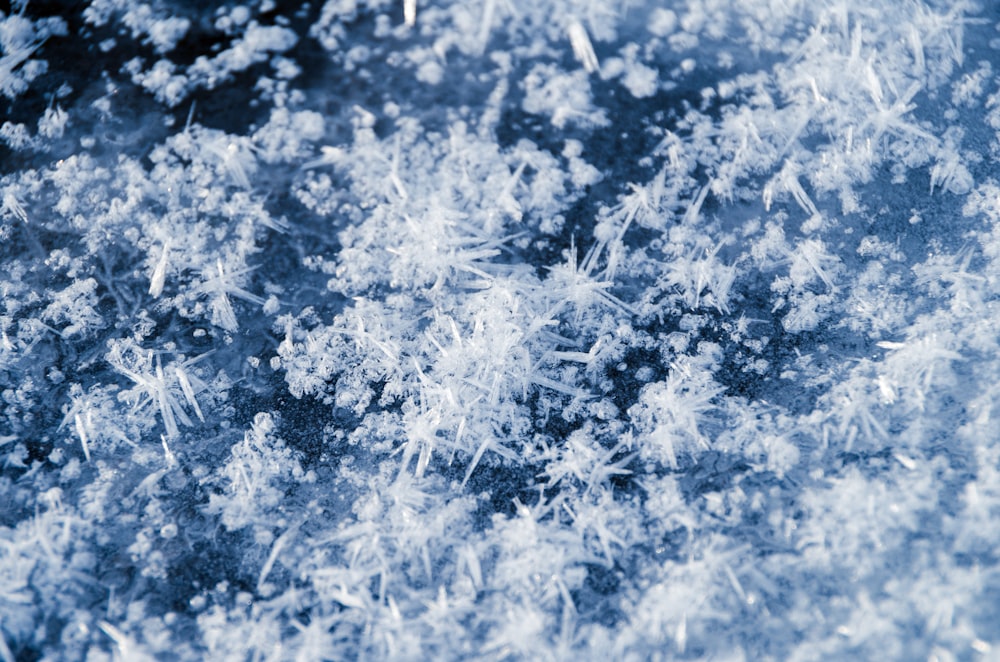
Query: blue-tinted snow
point(499, 330)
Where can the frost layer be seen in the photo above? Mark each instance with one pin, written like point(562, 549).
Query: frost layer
point(499, 330)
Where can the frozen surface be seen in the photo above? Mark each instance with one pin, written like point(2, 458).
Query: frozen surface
point(500, 329)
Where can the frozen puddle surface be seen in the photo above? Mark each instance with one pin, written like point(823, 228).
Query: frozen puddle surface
point(499, 330)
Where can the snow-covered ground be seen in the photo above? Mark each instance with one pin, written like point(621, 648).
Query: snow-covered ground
point(500, 329)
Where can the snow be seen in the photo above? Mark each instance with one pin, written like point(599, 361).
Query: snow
point(500, 330)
